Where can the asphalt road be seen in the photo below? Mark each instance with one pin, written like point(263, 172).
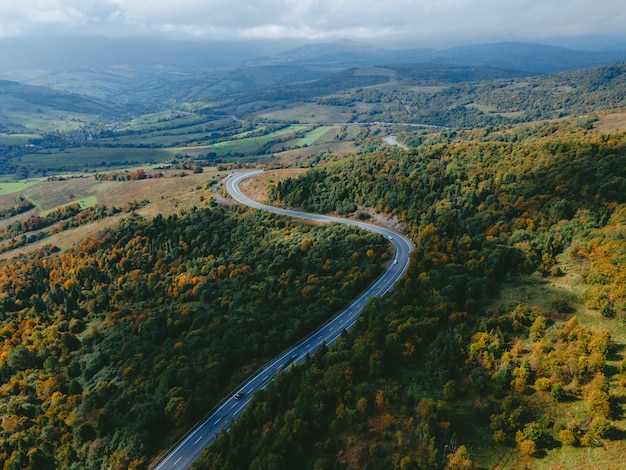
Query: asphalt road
point(187, 450)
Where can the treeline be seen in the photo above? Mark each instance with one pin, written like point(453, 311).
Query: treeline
point(108, 351)
point(438, 375)
point(37, 222)
point(31, 230)
point(136, 175)
point(23, 205)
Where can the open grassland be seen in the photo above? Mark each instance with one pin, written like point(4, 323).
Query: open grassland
point(19, 114)
point(251, 144)
point(611, 122)
point(14, 187)
point(170, 132)
point(153, 139)
point(48, 122)
point(256, 187)
point(84, 203)
point(309, 113)
point(303, 155)
point(162, 120)
point(16, 139)
point(177, 190)
point(313, 136)
point(93, 157)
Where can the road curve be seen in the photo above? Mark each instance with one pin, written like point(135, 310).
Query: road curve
point(187, 450)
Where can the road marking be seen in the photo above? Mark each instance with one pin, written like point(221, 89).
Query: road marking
point(179, 459)
point(218, 420)
point(198, 440)
point(233, 405)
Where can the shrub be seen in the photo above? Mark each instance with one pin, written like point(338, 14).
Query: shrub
point(567, 437)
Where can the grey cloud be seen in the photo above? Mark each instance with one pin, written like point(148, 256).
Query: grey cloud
point(421, 21)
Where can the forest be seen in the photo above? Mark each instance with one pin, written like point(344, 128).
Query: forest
point(421, 96)
point(502, 347)
point(111, 349)
point(450, 371)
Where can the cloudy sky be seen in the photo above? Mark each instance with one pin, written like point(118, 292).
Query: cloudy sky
point(412, 23)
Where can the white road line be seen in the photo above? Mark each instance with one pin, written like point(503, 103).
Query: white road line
point(198, 440)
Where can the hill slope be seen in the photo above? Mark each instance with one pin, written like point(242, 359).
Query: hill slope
point(504, 347)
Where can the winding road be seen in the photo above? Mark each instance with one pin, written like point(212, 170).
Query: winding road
point(393, 140)
point(187, 450)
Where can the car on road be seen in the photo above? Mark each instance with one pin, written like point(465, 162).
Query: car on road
point(239, 395)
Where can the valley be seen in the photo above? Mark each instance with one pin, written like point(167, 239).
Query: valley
point(137, 294)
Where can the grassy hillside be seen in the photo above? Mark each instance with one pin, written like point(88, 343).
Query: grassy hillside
point(39, 108)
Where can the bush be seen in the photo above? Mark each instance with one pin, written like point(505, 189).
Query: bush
point(528, 447)
point(542, 384)
point(567, 437)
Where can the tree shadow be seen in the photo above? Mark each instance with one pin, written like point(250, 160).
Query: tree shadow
point(617, 407)
point(615, 352)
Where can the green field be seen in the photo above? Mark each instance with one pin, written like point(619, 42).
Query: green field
point(164, 120)
point(14, 187)
point(71, 159)
point(84, 203)
point(310, 113)
point(54, 121)
point(250, 144)
point(313, 136)
point(16, 139)
point(153, 139)
point(20, 115)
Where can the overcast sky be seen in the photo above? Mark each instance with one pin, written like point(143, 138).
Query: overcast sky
point(412, 23)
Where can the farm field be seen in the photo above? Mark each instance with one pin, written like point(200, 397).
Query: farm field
point(10, 187)
point(177, 190)
point(309, 113)
point(16, 139)
point(73, 159)
point(250, 145)
point(313, 136)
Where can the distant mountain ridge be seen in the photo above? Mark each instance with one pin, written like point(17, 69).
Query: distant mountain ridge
point(50, 98)
point(525, 57)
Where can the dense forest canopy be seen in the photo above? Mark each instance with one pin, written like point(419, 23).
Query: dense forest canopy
point(503, 346)
point(451, 372)
point(107, 347)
